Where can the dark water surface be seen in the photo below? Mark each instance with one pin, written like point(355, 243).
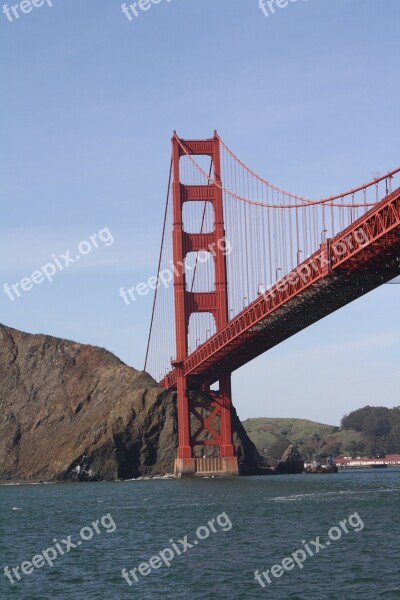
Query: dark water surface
point(259, 522)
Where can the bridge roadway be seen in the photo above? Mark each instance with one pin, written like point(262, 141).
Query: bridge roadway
point(359, 259)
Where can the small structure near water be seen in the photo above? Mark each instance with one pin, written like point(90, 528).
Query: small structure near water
point(347, 462)
point(318, 465)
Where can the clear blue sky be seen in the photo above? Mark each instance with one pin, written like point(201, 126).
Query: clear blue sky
point(307, 97)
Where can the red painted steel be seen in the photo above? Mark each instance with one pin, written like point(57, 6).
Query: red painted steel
point(360, 258)
point(354, 262)
point(197, 402)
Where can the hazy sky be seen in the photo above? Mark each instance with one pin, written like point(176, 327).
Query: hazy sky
point(307, 97)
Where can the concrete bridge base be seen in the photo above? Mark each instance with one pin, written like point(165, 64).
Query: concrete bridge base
point(206, 467)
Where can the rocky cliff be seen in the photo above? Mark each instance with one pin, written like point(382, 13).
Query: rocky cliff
point(291, 461)
point(70, 411)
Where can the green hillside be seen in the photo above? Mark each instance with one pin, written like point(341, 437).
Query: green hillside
point(272, 436)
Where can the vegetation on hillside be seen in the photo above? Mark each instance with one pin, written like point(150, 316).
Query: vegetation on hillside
point(380, 429)
point(369, 431)
point(272, 437)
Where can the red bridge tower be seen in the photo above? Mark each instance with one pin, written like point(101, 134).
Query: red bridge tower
point(212, 410)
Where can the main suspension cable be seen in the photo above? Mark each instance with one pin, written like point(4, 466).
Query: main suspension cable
point(325, 201)
point(159, 266)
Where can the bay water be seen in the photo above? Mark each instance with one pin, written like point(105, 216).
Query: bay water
point(320, 537)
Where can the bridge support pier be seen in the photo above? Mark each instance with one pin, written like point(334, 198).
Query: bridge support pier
point(203, 467)
point(205, 431)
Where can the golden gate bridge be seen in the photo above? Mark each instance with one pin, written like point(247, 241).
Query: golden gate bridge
point(243, 266)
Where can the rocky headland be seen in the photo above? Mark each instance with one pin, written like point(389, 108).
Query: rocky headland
point(74, 412)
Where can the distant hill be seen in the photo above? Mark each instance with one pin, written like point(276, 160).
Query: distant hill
point(380, 427)
point(272, 436)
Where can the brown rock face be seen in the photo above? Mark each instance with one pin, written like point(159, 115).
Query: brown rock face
point(70, 411)
point(291, 461)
